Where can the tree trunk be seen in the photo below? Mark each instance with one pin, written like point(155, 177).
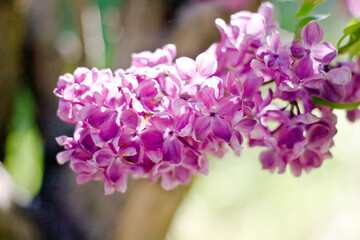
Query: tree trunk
point(11, 34)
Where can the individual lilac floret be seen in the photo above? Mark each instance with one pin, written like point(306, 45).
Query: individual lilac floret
point(215, 116)
point(273, 60)
point(244, 28)
point(310, 52)
point(196, 74)
point(274, 55)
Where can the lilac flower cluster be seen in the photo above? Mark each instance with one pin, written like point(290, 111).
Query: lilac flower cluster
point(160, 118)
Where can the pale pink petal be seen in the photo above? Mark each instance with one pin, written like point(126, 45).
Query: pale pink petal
point(186, 68)
point(324, 52)
point(256, 26)
point(267, 10)
point(206, 64)
point(64, 156)
point(274, 41)
point(340, 75)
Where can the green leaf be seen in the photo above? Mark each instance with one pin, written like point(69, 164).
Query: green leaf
point(352, 32)
point(307, 6)
point(349, 47)
point(355, 50)
point(326, 103)
point(305, 21)
point(352, 26)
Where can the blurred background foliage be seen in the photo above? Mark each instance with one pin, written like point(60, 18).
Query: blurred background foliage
point(237, 200)
point(24, 146)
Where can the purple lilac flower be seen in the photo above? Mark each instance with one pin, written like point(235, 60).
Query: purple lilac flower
point(162, 117)
point(136, 129)
point(309, 53)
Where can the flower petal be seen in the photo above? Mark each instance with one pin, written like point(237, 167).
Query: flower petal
point(312, 33)
point(291, 136)
point(134, 152)
point(182, 175)
point(274, 41)
point(206, 64)
point(251, 86)
point(304, 67)
point(173, 150)
point(235, 142)
point(168, 182)
point(340, 75)
point(115, 170)
point(207, 96)
point(268, 159)
point(202, 128)
point(267, 10)
point(245, 125)
point(221, 129)
point(332, 92)
point(317, 135)
point(99, 116)
point(186, 67)
point(310, 159)
point(152, 139)
point(84, 178)
point(191, 160)
point(64, 156)
point(228, 106)
point(103, 157)
point(256, 26)
point(324, 52)
point(298, 49)
point(148, 88)
point(130, 118)
point(111, 129)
